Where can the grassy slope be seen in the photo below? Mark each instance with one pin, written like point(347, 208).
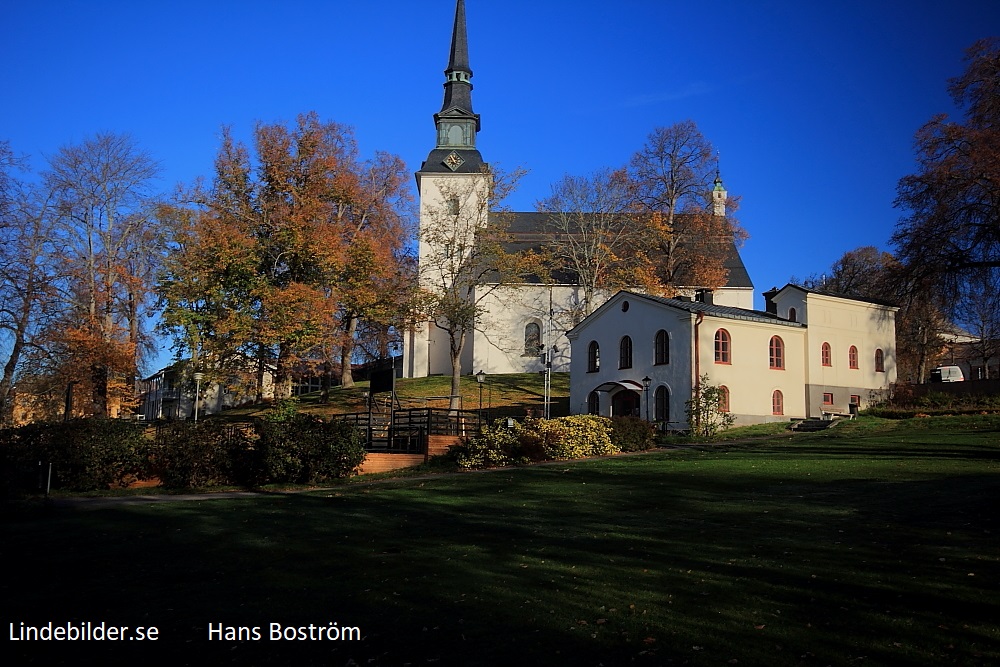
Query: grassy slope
point(499, 391)
point(874, 543)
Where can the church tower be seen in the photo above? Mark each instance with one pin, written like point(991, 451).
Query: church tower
point(453, 185)
point(457, 124)
point(719, 196)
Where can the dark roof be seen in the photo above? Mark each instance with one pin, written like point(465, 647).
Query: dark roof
point(850, 297)
point(710, 309)
point(435, 162)
point(527, 231)
point(715, 310)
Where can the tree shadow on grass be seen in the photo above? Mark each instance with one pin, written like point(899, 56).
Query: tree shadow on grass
point(644, 560)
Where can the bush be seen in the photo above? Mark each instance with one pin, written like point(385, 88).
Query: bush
point(631, 434)
point(496, 446)
point(207, 453)
point(86, 455)
point(304, 449)
point(537, 440)
point(575, 437)
point(703, 410)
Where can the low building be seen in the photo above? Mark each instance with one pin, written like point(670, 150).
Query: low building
point(808, 354)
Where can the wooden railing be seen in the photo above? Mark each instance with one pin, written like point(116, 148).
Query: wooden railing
point(408, 429)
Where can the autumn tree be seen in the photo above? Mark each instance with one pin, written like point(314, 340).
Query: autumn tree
point(464, 260)
point(280, 257)
point(28, 273)
point(102, 195)
point(597, 237)
point(951, 228)
point(674, 174)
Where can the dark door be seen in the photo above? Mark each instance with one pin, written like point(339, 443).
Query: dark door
point(625, 403)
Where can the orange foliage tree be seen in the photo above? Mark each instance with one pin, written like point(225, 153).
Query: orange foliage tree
point(673, 177)
point(280, 258)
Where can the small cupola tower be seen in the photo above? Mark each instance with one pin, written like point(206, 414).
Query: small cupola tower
point(719, 196)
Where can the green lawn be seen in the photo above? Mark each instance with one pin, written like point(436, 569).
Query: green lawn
point(875, 543)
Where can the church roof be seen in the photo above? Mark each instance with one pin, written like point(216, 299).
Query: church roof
point(527, 231)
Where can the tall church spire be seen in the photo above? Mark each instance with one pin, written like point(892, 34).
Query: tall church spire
point(458, 87)
point(456, 123)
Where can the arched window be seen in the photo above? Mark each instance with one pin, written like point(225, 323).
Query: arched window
point(723, 398)
point(722, 347)
point(532, 339)
point(661, 409)
point(593, 357)
point(777, 403)
point(776, 353)
point(879, 362)
point(593, 403)
point(852, 357)
point(792, 315)
point(826, 355)
point(661, 348)
point(625, 353)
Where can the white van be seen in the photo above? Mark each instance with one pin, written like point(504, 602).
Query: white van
point(947, 374)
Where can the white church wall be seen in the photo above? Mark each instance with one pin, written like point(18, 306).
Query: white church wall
point(639, 321)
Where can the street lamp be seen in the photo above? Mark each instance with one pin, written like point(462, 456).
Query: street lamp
point(480, 379)
point(646, 381)
point(197, 393)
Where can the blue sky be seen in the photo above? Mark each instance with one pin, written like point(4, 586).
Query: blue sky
point(812, 105)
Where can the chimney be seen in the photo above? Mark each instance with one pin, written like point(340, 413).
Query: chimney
point(769, 304)
point(705, 296)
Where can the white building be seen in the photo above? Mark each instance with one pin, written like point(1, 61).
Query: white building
point(808, 354)
point(519, 319)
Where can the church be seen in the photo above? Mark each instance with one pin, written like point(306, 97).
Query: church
point(522, 327)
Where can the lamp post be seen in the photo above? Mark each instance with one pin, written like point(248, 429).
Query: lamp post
point(480, 379)
point(646, 381)
point(197, 393)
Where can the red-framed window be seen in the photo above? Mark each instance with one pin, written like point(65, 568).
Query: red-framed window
point(827, 398)
point(723, 347)
point(776, 353)
point(723, 398)
point(879, 362)
point(777, 403)
point(826, 355)
point(852, 357)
